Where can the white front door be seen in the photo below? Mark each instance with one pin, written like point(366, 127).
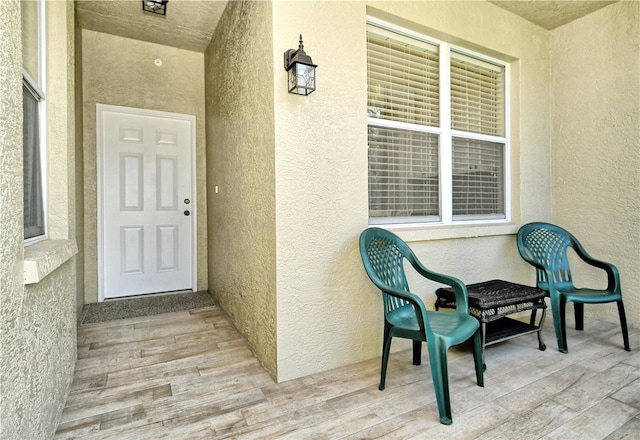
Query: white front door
point(146, 206)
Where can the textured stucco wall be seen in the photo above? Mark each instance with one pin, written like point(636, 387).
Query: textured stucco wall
point(117, 71)
point(79, 174)
point(328, 313)
point(595, 70)
point(61, 120)
point(13, 380)
point(29, 20)
point(38, 322)
point(240, 158)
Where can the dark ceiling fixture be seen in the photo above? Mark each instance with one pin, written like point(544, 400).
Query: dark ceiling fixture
point(158, 7)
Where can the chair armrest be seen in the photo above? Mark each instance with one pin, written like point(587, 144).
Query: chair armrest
point(613, 275)
point(540, 267)
point(413, 299)
point(459, 288)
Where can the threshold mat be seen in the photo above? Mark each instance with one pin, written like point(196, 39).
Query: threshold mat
point(111, 310)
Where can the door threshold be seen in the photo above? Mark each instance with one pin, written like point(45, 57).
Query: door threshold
point(145, 305)
point(148, 295)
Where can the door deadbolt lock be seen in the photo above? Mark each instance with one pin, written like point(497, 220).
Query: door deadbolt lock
point(187, 201)
point(187, 212)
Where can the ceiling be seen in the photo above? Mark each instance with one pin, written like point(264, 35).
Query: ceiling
point(189, 24)
point(551, 14)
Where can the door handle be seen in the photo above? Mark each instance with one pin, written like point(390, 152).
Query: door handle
point(187, 212)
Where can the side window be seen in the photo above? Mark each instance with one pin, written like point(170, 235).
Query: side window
point(437, 138)
point(34, 150)
point(32, 165)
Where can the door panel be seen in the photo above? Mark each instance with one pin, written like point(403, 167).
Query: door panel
point(168, 248)
point(167, 184)
point(131, 196)
point(147, 236)
point(132, 250)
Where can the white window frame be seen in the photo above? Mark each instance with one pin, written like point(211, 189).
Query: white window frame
point(37, 87)
point(446, 134)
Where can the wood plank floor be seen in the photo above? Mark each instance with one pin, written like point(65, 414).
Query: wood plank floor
point(189, 375)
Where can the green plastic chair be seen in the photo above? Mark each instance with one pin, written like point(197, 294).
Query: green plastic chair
point(405, 316)
point(545, 246)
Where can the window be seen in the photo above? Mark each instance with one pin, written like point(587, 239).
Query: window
point(33, 120)
point(438, 149)
point(33, 188)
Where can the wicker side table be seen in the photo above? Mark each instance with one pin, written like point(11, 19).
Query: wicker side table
point(492, 301)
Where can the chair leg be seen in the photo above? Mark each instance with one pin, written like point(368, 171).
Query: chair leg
point(623, 323)
point(417, 352)
point(438, 360)
point(483, 341)
point(541, 344)
point(478, 357)
point(557, 308)
point(578, 310)
point(386, 346)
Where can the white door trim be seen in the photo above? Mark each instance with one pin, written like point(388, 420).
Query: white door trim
point(100, 109)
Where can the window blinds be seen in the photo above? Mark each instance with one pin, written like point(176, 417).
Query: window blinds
point(477, 106)
point(402, 78)
point(405, 149)
point(403, 87)
point(478, 179)
point(477, 95)
point(403, 173)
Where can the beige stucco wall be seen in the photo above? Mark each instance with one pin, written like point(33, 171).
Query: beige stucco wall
point(328, 312)
point(38, 322)
point(13, 380)
point(29, 19)
point(595, 71)
point(79, 174)
point(61, 120)
point(240, 158)
point(120, 71)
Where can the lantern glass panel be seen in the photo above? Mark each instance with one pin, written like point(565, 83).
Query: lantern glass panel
point(306, 76)
point(302, 79)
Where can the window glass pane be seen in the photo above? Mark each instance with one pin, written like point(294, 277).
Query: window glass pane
point(477, 95)
point(402, 78)
point(30, 38)
point(33, 206)
point(403, 174)
point(478, 178)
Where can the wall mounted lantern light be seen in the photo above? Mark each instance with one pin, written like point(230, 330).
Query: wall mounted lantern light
point(301, 71)
point(155, 6)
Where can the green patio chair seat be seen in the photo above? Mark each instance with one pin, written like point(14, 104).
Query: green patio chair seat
point(405, 316)
point(545, 246)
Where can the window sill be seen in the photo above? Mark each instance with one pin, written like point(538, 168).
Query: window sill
point(43, 257)
point(413, 233)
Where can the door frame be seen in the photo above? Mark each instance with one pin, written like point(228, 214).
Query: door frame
point(100, 109)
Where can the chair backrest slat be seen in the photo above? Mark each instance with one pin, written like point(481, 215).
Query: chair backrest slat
point(547, 245)
point(387, 260)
